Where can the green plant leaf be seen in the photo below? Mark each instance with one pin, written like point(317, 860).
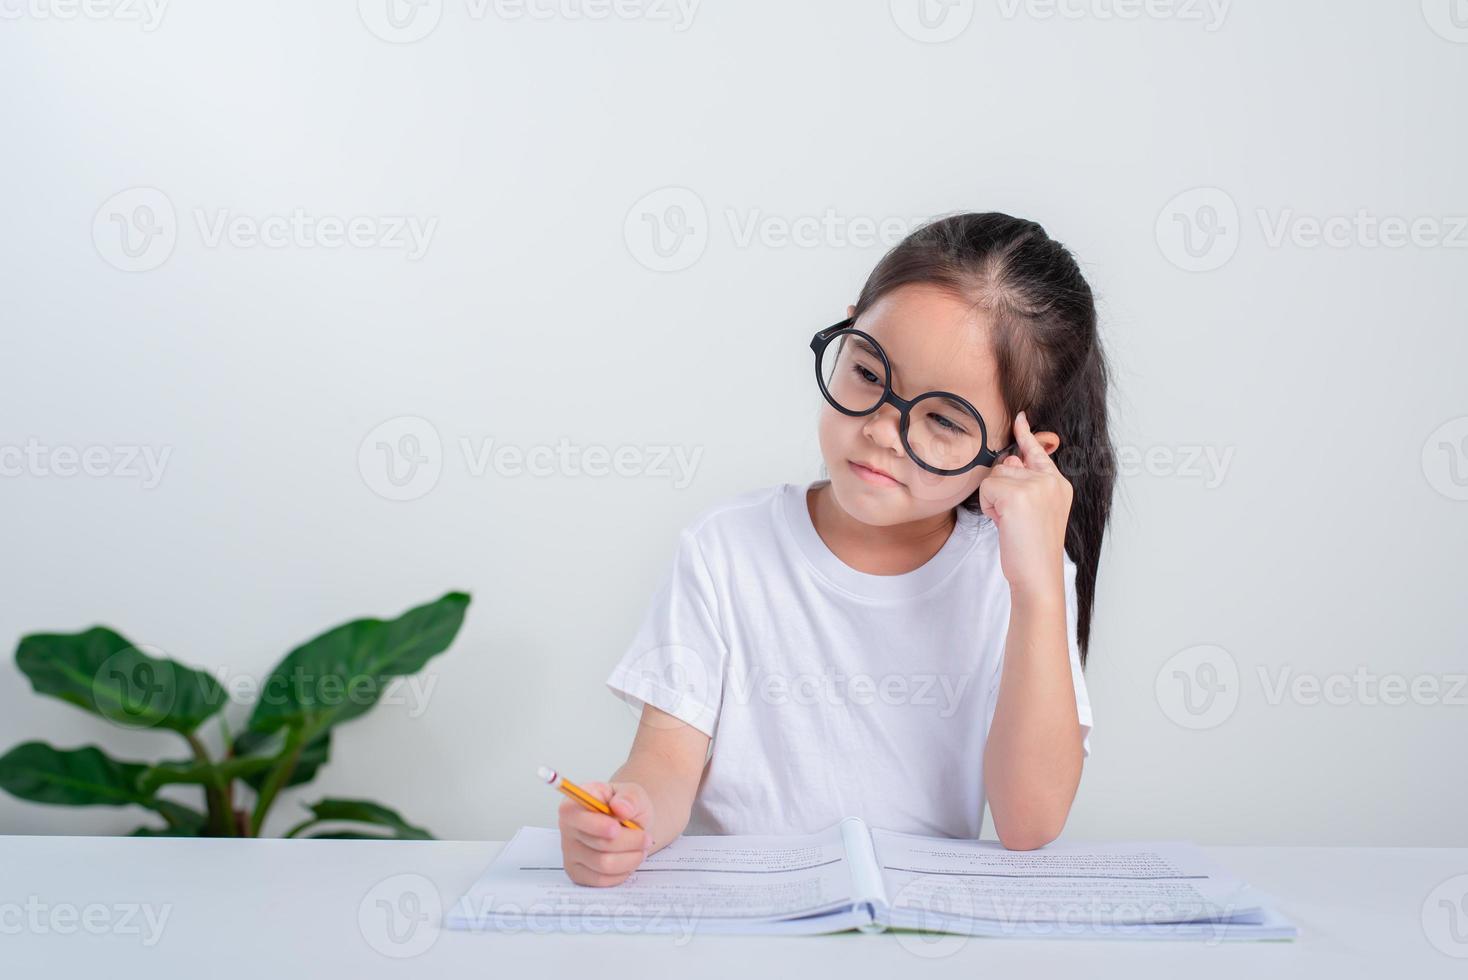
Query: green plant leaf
point(359, 811)
point(102, 672)
point(314, 755)
point(209, 774)
point(342, 673)
point(87, 776)
point(77, 777)
point(182, 821)
point(184, 818)
point(164, 832)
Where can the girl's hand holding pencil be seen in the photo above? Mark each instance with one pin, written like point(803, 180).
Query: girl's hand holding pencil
point(601, 824)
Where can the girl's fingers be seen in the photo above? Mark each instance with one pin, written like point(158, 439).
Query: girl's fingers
point(627, 841)
point(608, 866)
point(1009, 473)
point(1004, 480)
point(1035, 457)
point(589, 822)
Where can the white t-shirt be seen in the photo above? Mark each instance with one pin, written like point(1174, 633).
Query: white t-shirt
point(829, 692)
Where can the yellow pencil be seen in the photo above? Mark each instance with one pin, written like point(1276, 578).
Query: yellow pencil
point(581, 796)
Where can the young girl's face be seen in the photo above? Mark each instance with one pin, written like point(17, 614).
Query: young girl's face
point(935, 342)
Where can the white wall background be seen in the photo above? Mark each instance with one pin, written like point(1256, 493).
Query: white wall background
point(1325, 541)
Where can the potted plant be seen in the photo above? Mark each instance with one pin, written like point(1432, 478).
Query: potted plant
point(328, 680)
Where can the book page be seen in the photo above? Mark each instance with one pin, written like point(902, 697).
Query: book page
point(866, 875)
point(1068, 883)
point(692, 880)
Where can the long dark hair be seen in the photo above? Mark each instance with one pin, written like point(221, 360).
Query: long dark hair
point(1049, 358)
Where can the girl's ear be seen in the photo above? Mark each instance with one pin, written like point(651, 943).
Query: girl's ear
point(1049, 441)
point(851, 311)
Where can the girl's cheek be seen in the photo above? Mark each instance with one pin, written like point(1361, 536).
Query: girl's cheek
point(930, 486)
point(833, 433)
point(941, 491)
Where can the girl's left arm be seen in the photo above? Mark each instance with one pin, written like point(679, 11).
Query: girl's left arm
point(1032, 756)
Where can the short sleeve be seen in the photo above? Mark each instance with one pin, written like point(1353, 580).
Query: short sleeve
point(1078, 679)
point(676, 660)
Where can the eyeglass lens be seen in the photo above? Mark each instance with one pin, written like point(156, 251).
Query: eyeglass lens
point(941, 432)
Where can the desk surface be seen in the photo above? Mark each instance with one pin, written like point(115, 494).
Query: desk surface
point(217, 909)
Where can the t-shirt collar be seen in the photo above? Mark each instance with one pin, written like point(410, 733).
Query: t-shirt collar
point(795, 513)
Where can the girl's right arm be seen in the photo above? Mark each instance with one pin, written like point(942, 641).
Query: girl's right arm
point(654, 788)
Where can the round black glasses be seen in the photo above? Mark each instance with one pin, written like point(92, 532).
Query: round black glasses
point(941, 432)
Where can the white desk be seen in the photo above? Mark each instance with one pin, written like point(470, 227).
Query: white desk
point(274, 908)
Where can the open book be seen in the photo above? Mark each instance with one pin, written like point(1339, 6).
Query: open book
point(850, 876)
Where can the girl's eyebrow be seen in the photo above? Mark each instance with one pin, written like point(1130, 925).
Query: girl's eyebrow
point(861, 342)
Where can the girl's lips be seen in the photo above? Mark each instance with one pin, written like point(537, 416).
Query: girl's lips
point(871, 475)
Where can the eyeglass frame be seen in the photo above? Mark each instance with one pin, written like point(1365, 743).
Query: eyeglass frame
point(822, 340)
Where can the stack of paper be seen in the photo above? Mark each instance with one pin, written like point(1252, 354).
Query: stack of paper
point(852, 877)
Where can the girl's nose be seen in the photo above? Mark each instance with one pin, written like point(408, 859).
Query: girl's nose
point(882, 428)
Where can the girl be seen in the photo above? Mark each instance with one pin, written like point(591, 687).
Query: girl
point(902, 641)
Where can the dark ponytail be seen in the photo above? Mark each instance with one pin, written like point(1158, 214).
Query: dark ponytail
point(1049, 358)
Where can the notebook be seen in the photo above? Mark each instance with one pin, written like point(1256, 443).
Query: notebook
point(852, 877)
